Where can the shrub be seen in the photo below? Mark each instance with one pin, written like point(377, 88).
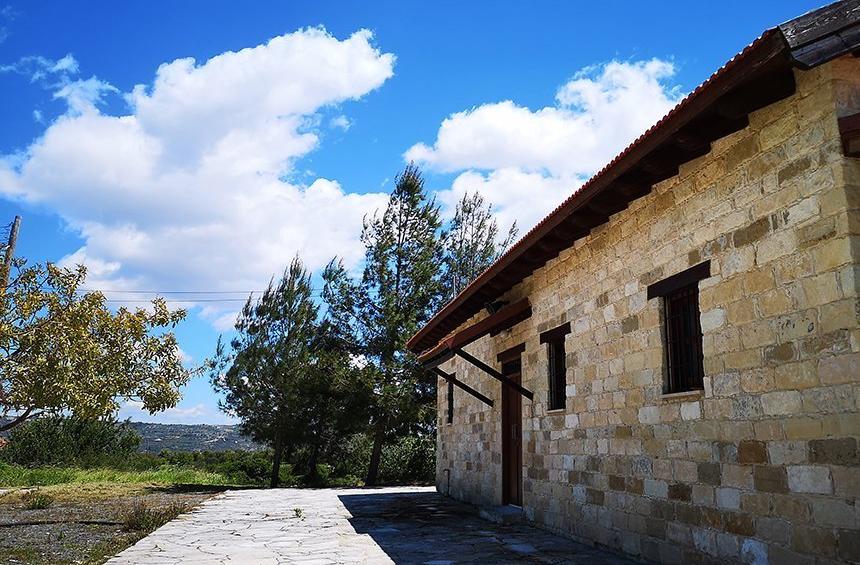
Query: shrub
point(58, 440)
point(37, 500)
point(141, 518)
point(410, 460)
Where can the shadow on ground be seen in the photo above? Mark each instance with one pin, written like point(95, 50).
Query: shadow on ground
point(424, 527)
point(195, 488)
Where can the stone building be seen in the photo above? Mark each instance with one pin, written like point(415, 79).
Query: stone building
point(669, 363)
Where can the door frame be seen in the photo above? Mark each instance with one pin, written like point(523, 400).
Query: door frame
point(512, 369)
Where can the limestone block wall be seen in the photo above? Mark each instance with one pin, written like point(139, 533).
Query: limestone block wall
point(763, 465)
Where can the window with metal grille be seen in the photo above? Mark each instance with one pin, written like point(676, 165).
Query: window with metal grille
point(557, 365)
point(450, 402)
point(557, 374)
point(683, 340)
point(681, 328)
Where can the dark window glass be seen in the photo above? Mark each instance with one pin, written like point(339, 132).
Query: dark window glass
point(557, 374)
point(450, 402)
point(683, 340)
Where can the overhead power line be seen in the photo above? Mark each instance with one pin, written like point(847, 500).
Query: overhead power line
point(103, 290)
point(174, 301)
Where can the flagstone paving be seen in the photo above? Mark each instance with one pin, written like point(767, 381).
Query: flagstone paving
point(322, 526)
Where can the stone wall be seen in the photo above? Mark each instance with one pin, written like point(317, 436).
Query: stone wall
point(764, 464)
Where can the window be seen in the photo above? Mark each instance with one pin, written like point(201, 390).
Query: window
point(557, 374)
point(557, 366)
point(450, 402)
point(682, 330)
point(683, 340)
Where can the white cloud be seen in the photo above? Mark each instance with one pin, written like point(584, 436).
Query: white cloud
point(83, 95)
point(192, 189)
point(40, 68)
point(526, 161)
point(516, 195)
point(341, 122)
point(7, 14)
point(183, 414)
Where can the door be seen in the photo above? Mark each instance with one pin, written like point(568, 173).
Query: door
point(512, 437)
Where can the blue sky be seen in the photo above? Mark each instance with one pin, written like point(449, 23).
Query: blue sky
point(165, 173)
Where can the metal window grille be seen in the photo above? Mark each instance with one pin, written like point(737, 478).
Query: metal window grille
point(683, 340)
point(557, 374)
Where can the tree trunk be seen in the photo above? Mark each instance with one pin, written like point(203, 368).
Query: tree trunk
point(375, 456)
point(276, 461)
point(312, 462)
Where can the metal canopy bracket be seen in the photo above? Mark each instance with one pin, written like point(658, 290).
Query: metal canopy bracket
point(493, 373)
point(460, 384)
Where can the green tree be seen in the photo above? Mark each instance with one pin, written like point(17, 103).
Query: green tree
point(280, 376)
point(398, 291)
point(64, 350)
point(471, 243)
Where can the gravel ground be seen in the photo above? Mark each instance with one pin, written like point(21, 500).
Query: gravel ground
point(80, 526)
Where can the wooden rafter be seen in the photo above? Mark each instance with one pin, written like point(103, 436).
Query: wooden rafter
point(494, 373)
point(461, 385)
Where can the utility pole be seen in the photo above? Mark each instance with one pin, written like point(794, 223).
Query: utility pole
point(10, 253)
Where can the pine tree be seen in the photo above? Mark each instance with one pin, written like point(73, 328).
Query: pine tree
point(399, 290)
point(471, 244)
point(269, 372)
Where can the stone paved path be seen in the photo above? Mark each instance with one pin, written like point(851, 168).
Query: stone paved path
point(387, 525)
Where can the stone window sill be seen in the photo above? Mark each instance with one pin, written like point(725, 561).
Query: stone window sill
point(556, 411)
point(682, 396)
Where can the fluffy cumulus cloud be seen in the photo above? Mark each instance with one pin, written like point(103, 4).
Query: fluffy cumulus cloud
point(527, 161)
point(194, 187)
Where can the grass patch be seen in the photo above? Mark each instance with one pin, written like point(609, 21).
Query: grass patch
point(19, 555)
point(141, 518)
point(74, 493)
point(37, 500)
point(15, 476)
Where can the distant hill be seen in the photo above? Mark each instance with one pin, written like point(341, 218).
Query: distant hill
point(191, 437)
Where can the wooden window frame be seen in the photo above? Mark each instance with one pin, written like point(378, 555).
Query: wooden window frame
point(681, 327)
point(556, 366)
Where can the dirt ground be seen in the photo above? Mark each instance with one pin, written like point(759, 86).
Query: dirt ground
point(84, 523)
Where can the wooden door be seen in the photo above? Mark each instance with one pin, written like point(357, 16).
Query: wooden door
point(512, 438)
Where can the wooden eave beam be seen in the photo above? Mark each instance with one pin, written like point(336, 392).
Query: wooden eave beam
point(586, 218)
point(435, 357)
point(505, 318)
point(494, 373)
point(462, 386)
point(757, 94)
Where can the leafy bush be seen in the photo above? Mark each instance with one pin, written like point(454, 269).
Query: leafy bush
point(408, 460)
point(37, 500)
point(58, 440)
point(141, 518)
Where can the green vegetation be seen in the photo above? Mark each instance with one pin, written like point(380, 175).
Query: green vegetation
point(284, 376)
point(57, 451)
point(17, 476)
point(37, 500)
point(141, 518)
point(56, 440)
point(408, 461)
point(65, 350)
